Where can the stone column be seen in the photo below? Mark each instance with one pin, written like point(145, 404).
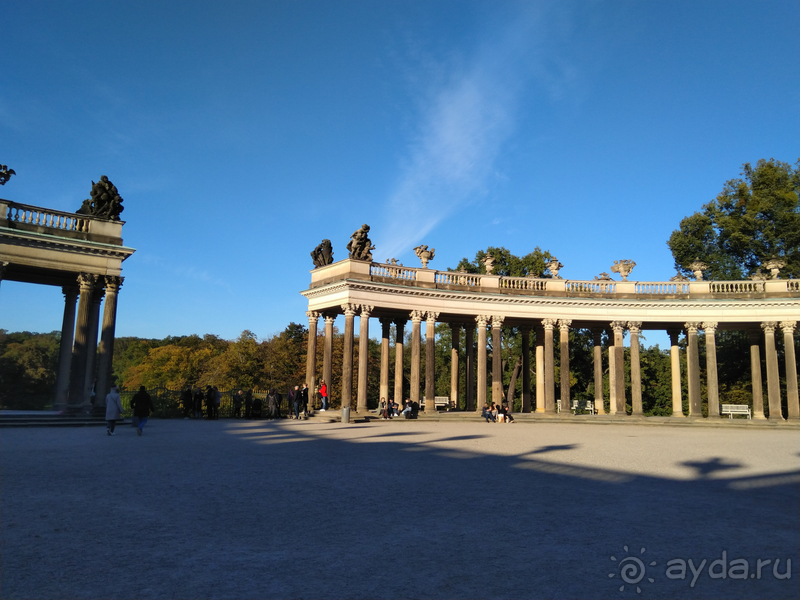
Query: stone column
point(540, 387)
point(619, 368)
point(79, 349)
point(755, 376)
point(563, 346)
point(612, 374)
point(91, 346)
point(65, 348)
point(386, 323)
point(455, 331)
point(693, 366)
point(497, 360)
point(363, 358)
point(597, 351)
point(469, 342)
point(482, 321)
point(347, 357)
point(327, 356)
point(400, 325)
point(105, 358)
point(311, 358)
point(526, 368)
point(792, 400)
point(773, 377)
point(712, 384)
point(549, 368)
point(430, 360)
point(675, 369)
point(416, 353)
point(635, 327)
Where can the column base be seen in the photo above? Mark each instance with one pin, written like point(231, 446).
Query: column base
point(679, 415)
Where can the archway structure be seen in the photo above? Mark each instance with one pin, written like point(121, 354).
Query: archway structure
point(480, 304)
point(83, 255)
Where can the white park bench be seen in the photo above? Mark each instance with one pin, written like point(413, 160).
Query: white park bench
point(736, 409)
point(588, 406)
point(439, 402)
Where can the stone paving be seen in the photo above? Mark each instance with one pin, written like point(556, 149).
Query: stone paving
point(410, 509)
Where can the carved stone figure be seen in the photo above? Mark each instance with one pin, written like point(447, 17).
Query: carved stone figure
point(106, 202)
point(424, 254)
point(697, 267)
point(5, 174)
point(323, 254)
point(679, 277)
point(393, 261)
point(623, 267)
point(488, 262)
point(759, 275)
point(774, 264)
point(554, 267)
point(603, 277)
point(360, 246)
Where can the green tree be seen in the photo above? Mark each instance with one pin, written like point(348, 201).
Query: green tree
point(754, 218)
point(508, 264)
point(28, 367)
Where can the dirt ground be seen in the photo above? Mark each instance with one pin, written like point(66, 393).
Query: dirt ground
point(409, 509)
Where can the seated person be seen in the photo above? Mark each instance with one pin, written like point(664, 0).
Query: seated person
point(507, 414)
point(395, 409)
point(387, 410)
point(487, 414)
point(407, 410)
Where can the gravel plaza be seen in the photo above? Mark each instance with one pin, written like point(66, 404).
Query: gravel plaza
point(400, 509)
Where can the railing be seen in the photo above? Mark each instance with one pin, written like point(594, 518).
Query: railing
point(590, 287)
point(662, 288)
point(793, 285)
point(523, 283)
point(393, 272)
point(736, 287)
point(450, 278)
point(55, 219)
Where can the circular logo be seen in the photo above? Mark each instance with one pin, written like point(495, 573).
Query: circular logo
point(631, 570)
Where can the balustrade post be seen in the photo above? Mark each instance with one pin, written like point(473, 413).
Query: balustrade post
point(327, 356)
point(773, 377)
point(540, 368)
point(79, 348)
point(637, 410)
point(792, 400)
point(482, 321)
point(619, 368)
point(416, 352)
point(469, 342)
point(400, 325)
point(65, 347)
point(347, 358)
point(675, 369)
point(455, 334)
point(497, 360)
point(597, 352)
point(106, 352)
point(430, 361)
point(757, 384)
point(526, 368)
point(386, 323)
point(363, 358)
point(311, 358)
point(712, 384)
point(693, 366)
point(549, 368)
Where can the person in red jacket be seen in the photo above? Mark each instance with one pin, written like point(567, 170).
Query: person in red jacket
point(323, 392)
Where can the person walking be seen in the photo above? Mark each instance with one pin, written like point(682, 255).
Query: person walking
point(272, 404)
point(323, 392)
point(237, 404)
point(187, 402)
point(142, 405)
point(304, 400)
point(113, 410)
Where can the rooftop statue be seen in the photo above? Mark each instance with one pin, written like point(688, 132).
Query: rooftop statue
point(603, 277)
point(623, 267)
point(697, 268)
point(360, 246)
point(488, 262)
point(554, 267)
point(106, 202)
point(323, 254)
point(679, 277)
point(774, 264)
point(393, 261)
point(5, 174)
point(424, 254)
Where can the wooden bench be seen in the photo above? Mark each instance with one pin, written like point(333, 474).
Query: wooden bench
point(736, 409)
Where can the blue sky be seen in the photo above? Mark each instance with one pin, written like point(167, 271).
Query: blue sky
point(240, 134)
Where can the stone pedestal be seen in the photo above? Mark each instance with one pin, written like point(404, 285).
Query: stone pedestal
point(563, 345)
point(712, 384)
point(693, 366)
point(792, 400)
point(757, 384)
point(497, 361)
point(635, 328)
point(675, 368)
point(363, 358)
point(550, 369)
point(773, 377)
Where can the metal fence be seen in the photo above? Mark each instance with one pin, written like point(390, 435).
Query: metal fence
point(168, 402)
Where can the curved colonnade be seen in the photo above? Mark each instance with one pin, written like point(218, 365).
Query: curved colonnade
point(481, 304)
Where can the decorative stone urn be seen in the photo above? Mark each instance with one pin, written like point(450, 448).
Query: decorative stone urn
point(774, 266)
point(697, 267)
point(554, 267)
point(488, 262)
point(424, 254)
point(623, 267)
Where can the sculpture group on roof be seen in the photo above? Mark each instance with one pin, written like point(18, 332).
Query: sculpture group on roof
point(360, 246)
point(105, 202)
point(323, 254)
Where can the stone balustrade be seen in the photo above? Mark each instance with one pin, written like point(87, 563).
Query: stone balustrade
point(25, 214)
point(453, 280)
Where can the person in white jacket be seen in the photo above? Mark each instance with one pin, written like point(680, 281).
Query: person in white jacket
point(113, 410)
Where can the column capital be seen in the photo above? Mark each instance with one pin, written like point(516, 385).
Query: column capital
point(769, 326)
point(431, 316)
point(618, 326)
point(497, 321)
point(366, 310)
point(329, 317)
point(386, 321)
point(710, 327)
point(788, 326)
point(312, 316)
point(86, 281)
point(635, 327)
point(399, 322)
point(673, 333)
point(564, 324)
point(114, 283)
point(416, 316)
point(67, 290)
point(482, 320)
point(548, 324)
point(692, 327)
point(349, 310)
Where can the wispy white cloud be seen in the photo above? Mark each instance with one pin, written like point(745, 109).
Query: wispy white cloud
point(464, 121)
